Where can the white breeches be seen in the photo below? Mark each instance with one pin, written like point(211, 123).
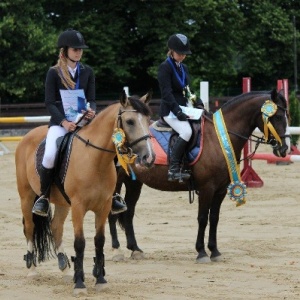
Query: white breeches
point(183, 128)
point(54, 132)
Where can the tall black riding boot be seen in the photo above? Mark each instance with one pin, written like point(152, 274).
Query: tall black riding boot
point(175, 172)
point(41, 206)
point(118, 204)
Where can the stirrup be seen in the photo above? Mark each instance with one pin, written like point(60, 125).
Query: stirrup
point(41, 206)
point(118, 204)
point(180, 176)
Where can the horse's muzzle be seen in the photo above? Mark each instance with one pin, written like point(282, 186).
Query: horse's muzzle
point(146, 161)
point(279, 150)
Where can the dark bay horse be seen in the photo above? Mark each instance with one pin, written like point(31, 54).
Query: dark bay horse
point(210, 173)
point(89, 183)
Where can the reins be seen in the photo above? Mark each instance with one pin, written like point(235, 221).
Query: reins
point(257, 140)
point(88, 143)
point(119, 125)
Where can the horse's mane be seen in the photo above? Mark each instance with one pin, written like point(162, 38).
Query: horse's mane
point(244, 97)
point(139, 106)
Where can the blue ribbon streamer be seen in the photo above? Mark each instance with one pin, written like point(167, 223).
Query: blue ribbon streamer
point(181, 80)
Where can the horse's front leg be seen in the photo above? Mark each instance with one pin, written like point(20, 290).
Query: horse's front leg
point(132, 195)
point(112, 221)
point(99, 271)
point(79, 246)
point(57, 226)
point(203, 211)
point(213, 227)
point(126, 219)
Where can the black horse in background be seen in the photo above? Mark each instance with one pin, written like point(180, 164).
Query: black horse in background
point(210, 174)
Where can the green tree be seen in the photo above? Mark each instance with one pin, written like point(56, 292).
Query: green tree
point(230, 39)
point(26, 49)
point(266, 47)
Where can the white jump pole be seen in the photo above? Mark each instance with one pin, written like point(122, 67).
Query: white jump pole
point(204, 94)
point(126, 89)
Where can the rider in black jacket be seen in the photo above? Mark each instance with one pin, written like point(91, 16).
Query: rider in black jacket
point(174, 79)
point(71, 76)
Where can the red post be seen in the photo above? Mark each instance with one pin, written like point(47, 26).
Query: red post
point(283, 84)
point(248, 175)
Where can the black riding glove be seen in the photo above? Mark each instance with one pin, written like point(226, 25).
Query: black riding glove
point(199, 104)
point(181, 116)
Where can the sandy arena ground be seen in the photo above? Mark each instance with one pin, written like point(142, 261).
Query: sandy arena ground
point(260, 243)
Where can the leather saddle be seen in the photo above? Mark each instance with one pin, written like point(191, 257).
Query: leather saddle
point(64, 145)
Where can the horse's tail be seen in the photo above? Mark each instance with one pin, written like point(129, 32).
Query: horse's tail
point(121, 220)
point(43, 242)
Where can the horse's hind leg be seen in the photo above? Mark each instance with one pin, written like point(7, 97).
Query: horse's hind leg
point(117, 254)
point(57, 227)
point(132, 195)
point(112, 219)
point(28, 230)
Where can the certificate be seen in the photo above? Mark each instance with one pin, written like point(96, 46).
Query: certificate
point(73, 103)
point(193, 113)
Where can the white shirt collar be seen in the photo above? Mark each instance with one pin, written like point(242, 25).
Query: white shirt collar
point(72, 71)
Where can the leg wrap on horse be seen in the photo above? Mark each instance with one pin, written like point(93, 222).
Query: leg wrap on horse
point(78, 272)
point(41, 206)
point(98, 270)
point(175, 172)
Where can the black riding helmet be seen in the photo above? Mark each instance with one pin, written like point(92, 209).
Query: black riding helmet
point(179, 43)
point(71, 38)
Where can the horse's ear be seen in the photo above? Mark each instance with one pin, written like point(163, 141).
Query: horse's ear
point(274, 95)
point(146, 98)
point(123, 98)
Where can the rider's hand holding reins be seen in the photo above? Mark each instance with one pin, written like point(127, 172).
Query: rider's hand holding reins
point(69, 126)
point(181, 116)
point(90, 114)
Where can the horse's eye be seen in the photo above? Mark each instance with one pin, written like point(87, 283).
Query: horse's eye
point(130, 122)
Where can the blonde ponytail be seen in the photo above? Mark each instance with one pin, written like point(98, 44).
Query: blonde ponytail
point(63, 72)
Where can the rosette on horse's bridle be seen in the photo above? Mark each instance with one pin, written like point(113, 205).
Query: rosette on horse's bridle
point(125, 155)
point(268, 110)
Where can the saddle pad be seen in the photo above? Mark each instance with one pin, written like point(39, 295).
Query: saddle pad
point(160, 141)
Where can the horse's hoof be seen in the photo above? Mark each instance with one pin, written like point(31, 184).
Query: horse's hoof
point(99, 287)
point(80, 292)
point(67, 275)
point(118, 255)
point(216, 258)
point(138, 255)
point(203, 260)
